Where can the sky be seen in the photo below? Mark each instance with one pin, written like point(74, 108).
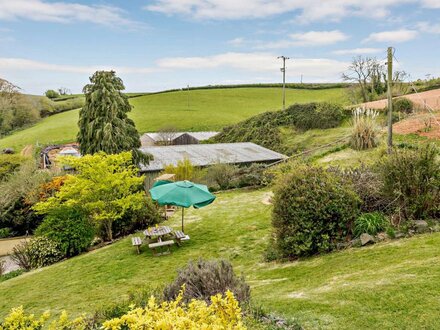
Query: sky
point(161, 44)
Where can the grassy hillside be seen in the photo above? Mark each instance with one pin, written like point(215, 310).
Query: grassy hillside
point(389, 285)
point(209, 110)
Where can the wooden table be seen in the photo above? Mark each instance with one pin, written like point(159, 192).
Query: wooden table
point(158, 232)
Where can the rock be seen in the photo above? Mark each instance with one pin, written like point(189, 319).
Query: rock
point(356, 242)
point(342, 246)
point(366, 239)
point(400, 235)
point(420, 226)
point(382, 236)
point(8, 151)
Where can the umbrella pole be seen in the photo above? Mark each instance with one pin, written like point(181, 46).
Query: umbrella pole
point(182, 218)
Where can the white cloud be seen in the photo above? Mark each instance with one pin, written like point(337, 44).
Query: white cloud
point(256, 62)
point(237, 42)
point(401, 35)
point(14, 64)
point(428, 27)
point(311, 38)
point(62, 12)
point(357, 51)
point(431, 3)
point(309, 10)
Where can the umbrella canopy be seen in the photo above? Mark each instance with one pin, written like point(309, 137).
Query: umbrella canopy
point(182, 193)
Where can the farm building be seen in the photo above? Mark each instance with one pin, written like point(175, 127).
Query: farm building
point(175, 138)
point(201, 155)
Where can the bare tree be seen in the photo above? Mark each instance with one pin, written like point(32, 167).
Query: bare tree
point(361, 71)
point(64, 91)
point(167, 134)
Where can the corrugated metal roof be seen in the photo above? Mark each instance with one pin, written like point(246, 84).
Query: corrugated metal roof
point(209, 154)
point(201, 136)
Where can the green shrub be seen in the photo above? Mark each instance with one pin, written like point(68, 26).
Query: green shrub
point(364, 134)
point(69, 228)
point(253, 175)
point(367, 184)
point(51, 94)
point(205, 278)
point(411, 178)
point(146, 216)
point(370, 223)
point(38, 252)
point(222, 174)
point(313, 211)
point(264, 129)
point(5, 232)
point(9, 164)
point(403, 105)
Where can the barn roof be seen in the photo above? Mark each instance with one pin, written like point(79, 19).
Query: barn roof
point(209, 154)
point(201, 136)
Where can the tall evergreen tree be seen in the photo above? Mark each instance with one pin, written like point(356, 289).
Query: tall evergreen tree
point(103, 121)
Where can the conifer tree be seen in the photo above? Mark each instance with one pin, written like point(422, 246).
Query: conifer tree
point(103, 121)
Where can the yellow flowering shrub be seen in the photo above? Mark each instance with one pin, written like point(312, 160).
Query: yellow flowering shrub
point(222, 313)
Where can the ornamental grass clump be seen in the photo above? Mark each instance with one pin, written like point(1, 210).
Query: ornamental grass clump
point(365, 131)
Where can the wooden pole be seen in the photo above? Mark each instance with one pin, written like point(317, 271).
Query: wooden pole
point(182, 218)
point(390, 99)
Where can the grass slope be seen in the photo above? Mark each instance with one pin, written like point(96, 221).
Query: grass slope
point(209, 110)
point(389, 285)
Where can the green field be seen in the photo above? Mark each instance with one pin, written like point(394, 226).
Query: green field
point(209, 109)
point(390, 285)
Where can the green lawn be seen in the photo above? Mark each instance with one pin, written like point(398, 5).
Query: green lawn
point(209, 110)
point(389, 285)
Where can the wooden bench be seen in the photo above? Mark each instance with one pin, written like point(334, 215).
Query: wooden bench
point(180, 237)
point(157, 246)
point(136, 241)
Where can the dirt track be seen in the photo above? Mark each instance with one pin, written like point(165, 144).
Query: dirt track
point(421, 100)
point(422, 124)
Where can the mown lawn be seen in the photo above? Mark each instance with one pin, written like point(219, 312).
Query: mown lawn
point(387, 286)
point(208, 110)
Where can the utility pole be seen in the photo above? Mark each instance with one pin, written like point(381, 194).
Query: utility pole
point(283, 70)
point(390, 99)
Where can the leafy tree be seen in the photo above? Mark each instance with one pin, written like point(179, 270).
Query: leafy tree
point(106, 188)
point(51, 94)
point(103, 121)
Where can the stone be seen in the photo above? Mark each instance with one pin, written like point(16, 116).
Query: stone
point(356, 242)
point(420, 226)
point(366, 239)
point(400, 235)
point(382, 236)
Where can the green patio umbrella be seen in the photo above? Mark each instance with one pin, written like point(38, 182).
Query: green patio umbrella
point(182, 193)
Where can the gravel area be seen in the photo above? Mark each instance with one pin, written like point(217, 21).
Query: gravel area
point(10, 265)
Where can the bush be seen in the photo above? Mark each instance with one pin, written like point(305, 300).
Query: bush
point(364, 134)
point(313, 211)
point(367, 184)
point(370, 223)
point(411, 178)
point(36, 253)
point(146, 216)
point(222, 174)
point(51, 94)
point(403, 105)
point(5, 232)
point(264, 129)
point(9, 164)
point(69, 228)
point(253, 175)
point(203, 279)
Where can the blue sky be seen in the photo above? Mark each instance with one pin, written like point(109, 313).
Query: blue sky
point(161, 44)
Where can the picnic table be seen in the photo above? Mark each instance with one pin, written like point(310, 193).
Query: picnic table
point(158, 232)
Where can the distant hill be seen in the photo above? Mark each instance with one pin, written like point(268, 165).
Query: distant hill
point(196, 110)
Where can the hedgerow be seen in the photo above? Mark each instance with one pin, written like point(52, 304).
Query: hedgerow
point(264, 129)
